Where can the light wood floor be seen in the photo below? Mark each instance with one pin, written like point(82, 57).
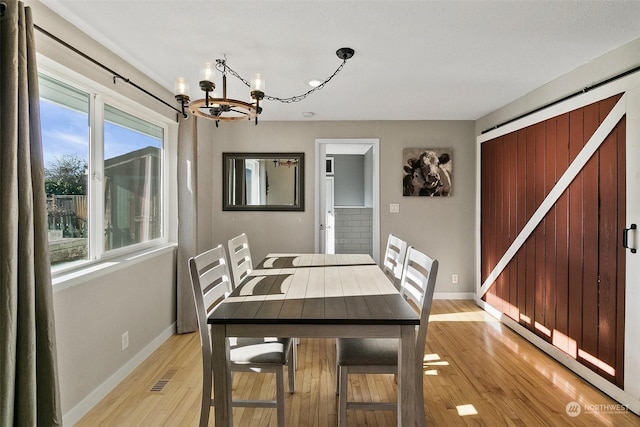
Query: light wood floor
point(477, 372)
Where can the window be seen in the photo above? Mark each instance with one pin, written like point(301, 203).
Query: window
point(64, 114)
point(121, 207)
point(132, 179)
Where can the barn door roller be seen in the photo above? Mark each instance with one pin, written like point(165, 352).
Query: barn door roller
point(625, 238)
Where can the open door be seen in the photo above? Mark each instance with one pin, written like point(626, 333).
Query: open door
point(329, 220)
point(321, 198)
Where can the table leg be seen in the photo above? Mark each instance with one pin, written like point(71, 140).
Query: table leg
point(407, 371)
point(221, 376)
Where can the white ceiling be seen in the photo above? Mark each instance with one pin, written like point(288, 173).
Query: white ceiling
point(414, 60)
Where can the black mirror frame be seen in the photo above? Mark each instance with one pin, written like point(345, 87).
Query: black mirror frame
point(225, 184)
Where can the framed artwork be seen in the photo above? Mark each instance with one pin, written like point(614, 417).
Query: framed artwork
point(427, 172)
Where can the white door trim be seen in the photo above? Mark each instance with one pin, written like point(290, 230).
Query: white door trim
point(632, 291)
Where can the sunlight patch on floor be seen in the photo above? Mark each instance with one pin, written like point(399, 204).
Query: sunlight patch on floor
point(468, 409)
point(440, 363)
point(465, 316)
point(430, 360)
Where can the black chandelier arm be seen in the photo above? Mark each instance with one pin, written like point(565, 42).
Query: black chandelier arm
point(221, 65)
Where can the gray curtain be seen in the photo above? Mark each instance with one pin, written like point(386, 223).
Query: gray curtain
point(187, 222)
point(29, 392)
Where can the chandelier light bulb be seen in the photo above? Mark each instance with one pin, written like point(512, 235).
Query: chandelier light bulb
point(181, 87)
point(207, 72)
point(257, 84)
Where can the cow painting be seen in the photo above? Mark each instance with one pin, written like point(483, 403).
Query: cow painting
point(427, 172)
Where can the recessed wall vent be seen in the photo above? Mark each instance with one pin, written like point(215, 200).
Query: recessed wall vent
point(162, 381)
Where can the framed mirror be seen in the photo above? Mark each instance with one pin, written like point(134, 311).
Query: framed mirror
point(263, 181)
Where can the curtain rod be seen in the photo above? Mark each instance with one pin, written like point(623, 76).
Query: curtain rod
point(552, 103)
point(115, 74)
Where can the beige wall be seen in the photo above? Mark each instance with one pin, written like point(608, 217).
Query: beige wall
point(92, 316)
point(442, 227)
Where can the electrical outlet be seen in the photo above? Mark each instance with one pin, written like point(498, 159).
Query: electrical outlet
point(454, 278)
point(125, 340)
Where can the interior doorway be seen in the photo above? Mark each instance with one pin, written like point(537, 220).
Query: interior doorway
point(347, 195)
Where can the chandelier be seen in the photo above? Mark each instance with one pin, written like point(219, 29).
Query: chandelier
point(227, 109)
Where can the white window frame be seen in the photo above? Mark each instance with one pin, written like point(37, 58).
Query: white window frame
point(73, 272)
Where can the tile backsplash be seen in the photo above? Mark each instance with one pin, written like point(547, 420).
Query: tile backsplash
point(353, 230)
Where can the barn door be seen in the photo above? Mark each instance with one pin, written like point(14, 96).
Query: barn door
point(553, 207)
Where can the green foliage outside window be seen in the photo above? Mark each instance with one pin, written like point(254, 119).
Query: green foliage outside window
point(66, 175)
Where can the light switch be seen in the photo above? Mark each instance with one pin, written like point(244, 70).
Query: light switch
point(394, 208)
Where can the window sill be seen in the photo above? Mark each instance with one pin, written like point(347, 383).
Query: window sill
point(68, 279)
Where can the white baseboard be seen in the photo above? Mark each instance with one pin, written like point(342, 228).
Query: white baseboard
point(85, 405)
point(630, 402)
point(454, 295)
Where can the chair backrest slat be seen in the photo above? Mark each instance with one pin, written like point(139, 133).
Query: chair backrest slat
point(240, 258)
point(394, 256)
point(219, 286)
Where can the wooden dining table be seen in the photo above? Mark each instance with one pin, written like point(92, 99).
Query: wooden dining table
point(321, 296)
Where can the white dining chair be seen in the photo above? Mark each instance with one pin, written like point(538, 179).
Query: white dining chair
point(211, 284)
point(393, 261)
point(240, 258)
point(242, 266)
point(380, 355)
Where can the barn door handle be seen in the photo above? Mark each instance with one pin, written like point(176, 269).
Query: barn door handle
point(625, 238)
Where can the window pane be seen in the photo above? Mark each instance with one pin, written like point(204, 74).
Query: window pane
point(132, 170)
point(64, 115)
